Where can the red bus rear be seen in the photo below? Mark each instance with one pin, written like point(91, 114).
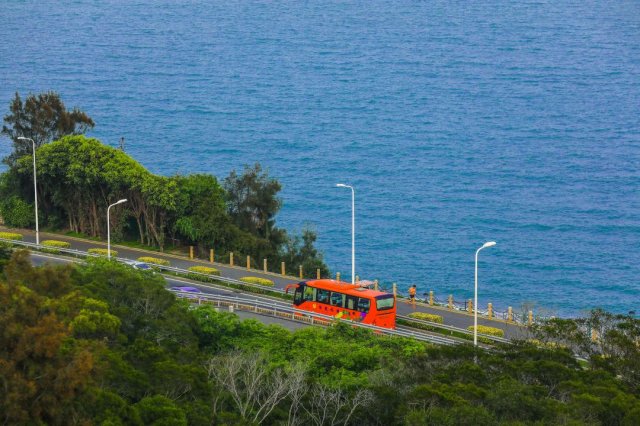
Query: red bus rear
point(346, 301)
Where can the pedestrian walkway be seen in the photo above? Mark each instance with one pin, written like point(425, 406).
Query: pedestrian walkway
point(450, 317)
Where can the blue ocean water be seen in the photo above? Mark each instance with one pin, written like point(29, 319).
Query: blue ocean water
point(457, 122)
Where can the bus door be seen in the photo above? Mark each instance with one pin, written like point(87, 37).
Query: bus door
point(297, 296)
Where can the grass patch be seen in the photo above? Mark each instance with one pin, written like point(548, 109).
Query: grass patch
point(426, 317)
point(491, 331)
point(52, 246)
point(154, 260)
point(204, 270)
point(257, 280)
point(102, 252)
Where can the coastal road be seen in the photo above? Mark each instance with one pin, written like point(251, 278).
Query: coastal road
point(39, 259)
point(450, 317)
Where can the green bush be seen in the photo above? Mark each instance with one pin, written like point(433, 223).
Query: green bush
point(491, 331)
point(154, 260)
point(204, 270)
point(102, 251)
point(257, 280)
point(17, 213)
point(426, 317)
point(53, 245)
point(11, 236)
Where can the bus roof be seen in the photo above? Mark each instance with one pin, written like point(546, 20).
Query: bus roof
point(343, 287)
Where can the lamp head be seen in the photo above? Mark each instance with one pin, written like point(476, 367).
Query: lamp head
point(124, 200)
point(341, 185)
point(489, 244)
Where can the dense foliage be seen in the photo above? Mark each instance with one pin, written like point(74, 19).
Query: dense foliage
point(107, 344)
point(79, 177)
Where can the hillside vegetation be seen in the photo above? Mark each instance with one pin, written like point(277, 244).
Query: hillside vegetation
point(106, 344)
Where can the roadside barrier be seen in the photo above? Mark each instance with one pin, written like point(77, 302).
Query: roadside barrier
point(452, 328)
point(287, 312)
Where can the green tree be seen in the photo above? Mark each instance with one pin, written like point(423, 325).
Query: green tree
point(43, 369)
point(253, 202)
point(159, 410)
point(43, 118)
point(301, 251)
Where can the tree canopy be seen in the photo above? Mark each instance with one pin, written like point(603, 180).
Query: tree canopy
point(42, 118)
point(107, 344)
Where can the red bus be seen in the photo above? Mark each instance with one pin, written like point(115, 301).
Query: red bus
point(347, 301)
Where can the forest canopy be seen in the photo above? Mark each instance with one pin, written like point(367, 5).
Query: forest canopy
point(103, 343)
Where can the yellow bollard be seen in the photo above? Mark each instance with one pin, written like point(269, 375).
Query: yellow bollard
point(470, 306)
point(300, 271)
point(338, 276)
point(594, 335)
point(211, 255)
point(190, 252)
point(264, 265)
point(318, 273)
point(510, 314)
point(431, 297)
point(248, 263)
point(231, 258)
point(490, 310)
point(530, 318)
point(395, 290)
point(450, 302)
point(375, 285)
point(282, 269)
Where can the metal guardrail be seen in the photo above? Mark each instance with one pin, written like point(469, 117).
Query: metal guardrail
point(79, 253)
point(276, 310)
point(452, 328)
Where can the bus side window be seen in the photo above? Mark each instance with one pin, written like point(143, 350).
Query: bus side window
point(351, 302)
point(363, 304)
point(297, 296)
point(309, 294)
point(337, 299)
point(323, 296)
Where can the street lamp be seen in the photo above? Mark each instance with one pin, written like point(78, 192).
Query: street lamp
point(353, 230)
point(35, 185)
point(475, 300)
point(124, 200)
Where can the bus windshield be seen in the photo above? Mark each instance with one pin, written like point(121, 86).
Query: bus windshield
point(384, 302)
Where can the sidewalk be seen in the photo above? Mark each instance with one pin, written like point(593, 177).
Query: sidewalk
point(453, 318)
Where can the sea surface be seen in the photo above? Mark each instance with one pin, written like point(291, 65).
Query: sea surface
point(457, 123)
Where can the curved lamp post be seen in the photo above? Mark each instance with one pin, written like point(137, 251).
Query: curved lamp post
point(35, 184)
point(124, 200)
point(475, 300)
point(353, 230)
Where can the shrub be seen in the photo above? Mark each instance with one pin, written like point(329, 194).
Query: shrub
point(154, 260)
point(53, 245)
point(102, 251)
point(204, 270)
point(17, 213)
point(426, 317)
point(56, 243)
point(11, 236)
point(257, 280)
point(491, 331)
